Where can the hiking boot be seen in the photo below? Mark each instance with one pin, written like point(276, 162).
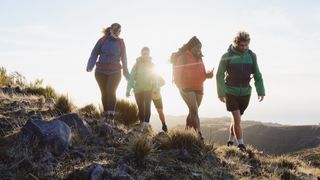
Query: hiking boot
point(230, 143)
point(164, 128)
point(242, 147)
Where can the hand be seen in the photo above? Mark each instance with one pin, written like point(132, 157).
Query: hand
point(260, 98)
point(223, 99)
point(89, 69)
point(209, 74)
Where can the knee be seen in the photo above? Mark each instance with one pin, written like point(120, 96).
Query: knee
point(193, 111)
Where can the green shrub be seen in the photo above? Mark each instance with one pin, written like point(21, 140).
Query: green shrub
point(127, 112)
point(64, 105)
point(90, 111)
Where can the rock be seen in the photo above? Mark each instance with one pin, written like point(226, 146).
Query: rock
point(22, 112)
point(184, 155)
point(54, 135)
point(74, 121)
point(105, 129)
point(110, 150)
point(96, 172)
point(196, 175)
point(8, 90)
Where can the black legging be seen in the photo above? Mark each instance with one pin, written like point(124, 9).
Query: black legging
point(108, 85)
point(143, 100)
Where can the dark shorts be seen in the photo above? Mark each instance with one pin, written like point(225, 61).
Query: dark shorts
point(235, 103)
point(158, 103)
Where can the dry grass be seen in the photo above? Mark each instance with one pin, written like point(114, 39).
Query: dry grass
point(90, 111)
point(140, 148)
point(127, 112)
point(180, 139)
point(64, 105)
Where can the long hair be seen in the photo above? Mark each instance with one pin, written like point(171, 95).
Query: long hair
point(114, 28)
point(194, 41)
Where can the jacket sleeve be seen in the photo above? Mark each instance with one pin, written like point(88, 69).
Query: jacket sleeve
point(131, 82)
point(94, 55)
point(220, 78)
point(124, 57)
point(258, 80)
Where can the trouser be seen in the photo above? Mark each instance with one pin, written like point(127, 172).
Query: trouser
point(143, 100)
point(108, 84)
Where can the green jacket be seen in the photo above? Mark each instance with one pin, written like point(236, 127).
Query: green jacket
point(234, 71)
point(142, 77)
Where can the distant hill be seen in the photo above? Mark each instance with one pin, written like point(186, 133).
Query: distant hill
point(270, 138)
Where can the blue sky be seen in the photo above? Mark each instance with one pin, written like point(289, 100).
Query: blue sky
point(52, 40)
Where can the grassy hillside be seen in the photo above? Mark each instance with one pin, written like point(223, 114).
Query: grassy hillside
point(123, 151)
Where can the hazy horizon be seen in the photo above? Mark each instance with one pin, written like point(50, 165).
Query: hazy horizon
point(52, 40)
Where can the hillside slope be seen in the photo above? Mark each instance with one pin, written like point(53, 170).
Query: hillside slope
point(119, 152)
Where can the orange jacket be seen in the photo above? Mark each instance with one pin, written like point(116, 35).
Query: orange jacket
point(189, 72)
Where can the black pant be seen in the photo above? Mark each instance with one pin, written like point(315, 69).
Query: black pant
point(143, 100)
point(108, 85)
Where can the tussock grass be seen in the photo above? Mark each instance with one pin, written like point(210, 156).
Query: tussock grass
point(284, 162)
point(90, 111)
point(127, 112)
point(140, 148)
point(180, 139)
point(64, 105)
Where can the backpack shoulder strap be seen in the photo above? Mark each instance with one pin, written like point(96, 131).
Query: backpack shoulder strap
point(184, 58)
point(254, 59)
point(228, 60)
point(103, 40)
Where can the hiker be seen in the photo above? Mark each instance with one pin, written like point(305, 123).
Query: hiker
point(111, 50)
point(233, 83)
point(144, 82)
point(157, 101)
point(189, 74)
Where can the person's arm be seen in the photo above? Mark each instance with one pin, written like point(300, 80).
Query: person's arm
point(130, 83)
point(220, 78)
point(94, 56)
point(124, 61)
point(258, 80)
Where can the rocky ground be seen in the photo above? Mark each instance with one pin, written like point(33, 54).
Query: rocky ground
point(39, 143)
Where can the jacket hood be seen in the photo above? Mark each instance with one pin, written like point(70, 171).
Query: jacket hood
point(234, 50)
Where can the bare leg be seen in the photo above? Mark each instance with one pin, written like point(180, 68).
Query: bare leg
point(161, 115)
point(191, 101)
point(236, 125)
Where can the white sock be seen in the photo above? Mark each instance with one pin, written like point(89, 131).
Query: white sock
point(240, 141)
point(145, 124)
point(231, 137)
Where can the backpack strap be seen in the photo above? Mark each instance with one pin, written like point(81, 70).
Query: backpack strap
point(104, 39)
point(229, 58)
point(184, 58)
point(254, 60)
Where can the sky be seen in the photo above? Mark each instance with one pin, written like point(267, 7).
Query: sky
point(52, 40)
